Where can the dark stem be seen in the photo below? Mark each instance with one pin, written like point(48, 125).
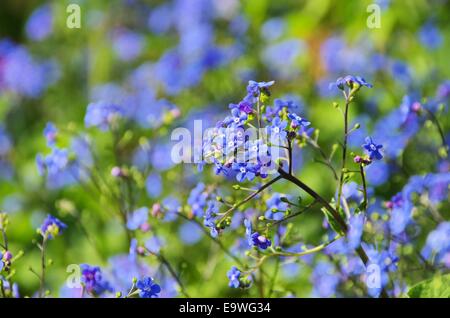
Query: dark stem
point(363, 178)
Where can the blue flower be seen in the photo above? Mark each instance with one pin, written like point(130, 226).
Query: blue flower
point(373, 149)
point(277, 129)
point(356, 227)
point(298, 121)
point(275, 207)
point(255, 88)
point(437, 247)
point(248, 232)
point(430, 36)
point(101, 114)
point(148, 288)
point(50, 133)
point(52, 227)
point(197, 199)
point(92, 279)
point(138, 218)
point(245, 171)
point(238, 118)
point(127, 45)
point(210, 216)
point(350, 82)
point(40, 23)
point(260, 241)
point(233, 276)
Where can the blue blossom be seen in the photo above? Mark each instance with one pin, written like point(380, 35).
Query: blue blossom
point(373, 149)
point(254, 90)
point(127, 44)
point(298, 121)
point(197, 199)
point(350, 82)
point(52, 227)
point(92, 280)
point(233, 276)
point(210, 216)
point(430, 36)
point(101, 114)
point(244, 171)
point(137, 219)
point(276, 207)
point(277, 129)
point(248, 232)
point(50, 133)
point(260, 241)
point(40, 23)
point(238, 118)
point(190, 233)
point(325, 280)
point(148, 288)
point(437, 247)
point(356, 227)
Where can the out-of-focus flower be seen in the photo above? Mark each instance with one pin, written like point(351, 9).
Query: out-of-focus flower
point(52, 227)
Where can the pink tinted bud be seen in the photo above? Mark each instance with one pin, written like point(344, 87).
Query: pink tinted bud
point(357, 159)
point(7, 256)
point(140, 250)
point(389, 204)
point(145, 227)
point(416, 107)
point(175, 112)
point(116, 172)
point(156, 209)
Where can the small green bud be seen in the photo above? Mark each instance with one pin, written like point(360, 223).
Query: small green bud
point(261, 218)
point(357, 126)
point(236, 187)
point(335, 105)
point(219, 199)
point(134, 280)
point(118, 294)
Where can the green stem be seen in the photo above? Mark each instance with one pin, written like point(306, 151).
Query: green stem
point(43, 267)
point(344, 154)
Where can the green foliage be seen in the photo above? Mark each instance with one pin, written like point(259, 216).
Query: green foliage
point(436, 287)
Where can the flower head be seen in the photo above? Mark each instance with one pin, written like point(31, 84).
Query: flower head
point(260, 241)
point(52, 227)
point(351, 82)
point(233, 276)
point(148, 288)
point(372, 149)
point(92, 279)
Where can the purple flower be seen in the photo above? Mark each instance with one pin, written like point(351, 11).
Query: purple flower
point(372, 149)
point(254, 90)
point(148, 288)
point(52, 227)
point(92, 279)
point(233, 276)
point(260, 241)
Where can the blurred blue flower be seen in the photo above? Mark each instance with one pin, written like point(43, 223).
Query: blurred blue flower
point(430, 36)
point(40, 23)
point(92, 279)
point(52, 227)
point(233, 276)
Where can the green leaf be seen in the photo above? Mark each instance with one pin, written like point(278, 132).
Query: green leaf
point(436, 287)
